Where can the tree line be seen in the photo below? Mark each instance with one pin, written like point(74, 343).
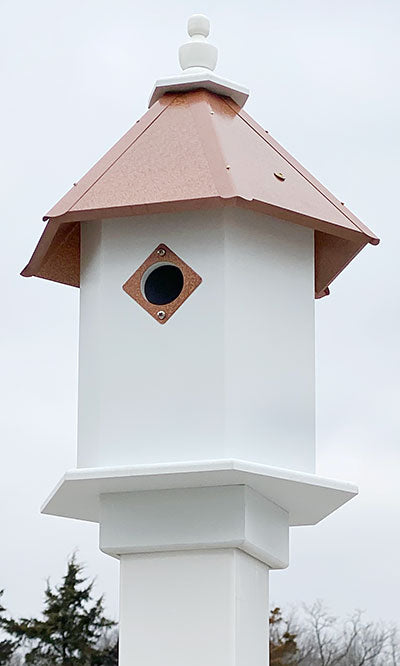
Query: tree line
point(311, 636)
point(73, 630)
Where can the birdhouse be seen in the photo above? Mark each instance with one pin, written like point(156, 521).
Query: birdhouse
point(199, 246)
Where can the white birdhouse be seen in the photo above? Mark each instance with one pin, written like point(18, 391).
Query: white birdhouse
point(199, 246)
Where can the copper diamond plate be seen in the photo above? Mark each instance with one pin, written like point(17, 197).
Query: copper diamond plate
point(133, 286)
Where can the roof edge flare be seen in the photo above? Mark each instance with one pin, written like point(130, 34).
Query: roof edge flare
point(275, 145)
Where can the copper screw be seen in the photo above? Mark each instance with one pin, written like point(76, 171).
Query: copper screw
point(161, 252)
point(161, 314)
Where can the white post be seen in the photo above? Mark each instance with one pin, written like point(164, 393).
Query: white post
point(194, 573)
point(197, 608)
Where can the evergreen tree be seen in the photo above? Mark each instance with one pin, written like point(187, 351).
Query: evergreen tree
point(7, 647)
point(72, 625)
point(107, 656)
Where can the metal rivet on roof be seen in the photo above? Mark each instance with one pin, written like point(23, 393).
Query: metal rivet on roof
point(279, 175)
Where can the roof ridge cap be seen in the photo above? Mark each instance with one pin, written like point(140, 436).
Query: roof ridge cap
point(212, 148)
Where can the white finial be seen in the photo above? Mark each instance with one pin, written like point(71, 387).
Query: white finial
point(198, 24)
point(198, 59)
point(198, 53)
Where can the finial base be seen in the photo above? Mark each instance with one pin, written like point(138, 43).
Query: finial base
point(200, 79)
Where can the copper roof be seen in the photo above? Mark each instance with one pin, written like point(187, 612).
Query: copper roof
point(198, 150)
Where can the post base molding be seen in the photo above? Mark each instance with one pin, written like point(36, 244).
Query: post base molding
point(194, 519)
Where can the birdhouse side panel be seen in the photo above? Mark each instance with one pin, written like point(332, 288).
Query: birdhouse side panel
point(151, 390)
point(269, 341)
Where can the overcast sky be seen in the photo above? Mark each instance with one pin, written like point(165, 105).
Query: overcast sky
point(324, 80)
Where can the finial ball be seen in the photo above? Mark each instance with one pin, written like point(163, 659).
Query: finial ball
point(198, 24)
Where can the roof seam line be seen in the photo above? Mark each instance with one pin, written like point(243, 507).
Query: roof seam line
point(211, 167)
point(298, 171)
point(120, 155)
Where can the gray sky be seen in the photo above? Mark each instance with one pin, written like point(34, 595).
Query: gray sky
point(323, 76)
